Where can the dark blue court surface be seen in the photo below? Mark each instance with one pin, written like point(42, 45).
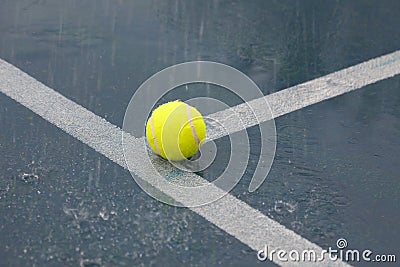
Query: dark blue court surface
point(335, 173)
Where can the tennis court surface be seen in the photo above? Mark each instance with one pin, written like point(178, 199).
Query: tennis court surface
point(329, 71)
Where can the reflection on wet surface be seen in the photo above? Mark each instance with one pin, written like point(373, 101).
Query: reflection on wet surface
point(335, 170)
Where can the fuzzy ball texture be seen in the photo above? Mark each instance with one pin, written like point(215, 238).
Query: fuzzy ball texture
point(175, 131)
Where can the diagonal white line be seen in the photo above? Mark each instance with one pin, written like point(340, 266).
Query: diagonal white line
point(230, 214)
point(308, 93)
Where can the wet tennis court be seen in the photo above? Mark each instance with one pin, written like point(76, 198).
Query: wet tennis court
point(66, 201)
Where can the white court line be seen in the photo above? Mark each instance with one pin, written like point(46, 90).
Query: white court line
point(230, 214)
point(308, 93)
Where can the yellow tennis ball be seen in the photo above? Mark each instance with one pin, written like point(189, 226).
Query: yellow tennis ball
point(175, 131)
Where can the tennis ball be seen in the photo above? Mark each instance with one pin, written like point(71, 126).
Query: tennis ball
point(175, 131)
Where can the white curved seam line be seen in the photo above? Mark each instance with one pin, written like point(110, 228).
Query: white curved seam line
point(154, 135)
point(194, 134)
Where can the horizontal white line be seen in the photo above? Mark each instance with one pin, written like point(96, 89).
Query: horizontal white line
point(229, 213)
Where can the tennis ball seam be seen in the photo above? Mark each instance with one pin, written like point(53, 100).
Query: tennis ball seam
point(153, 134)
point(194, 134)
